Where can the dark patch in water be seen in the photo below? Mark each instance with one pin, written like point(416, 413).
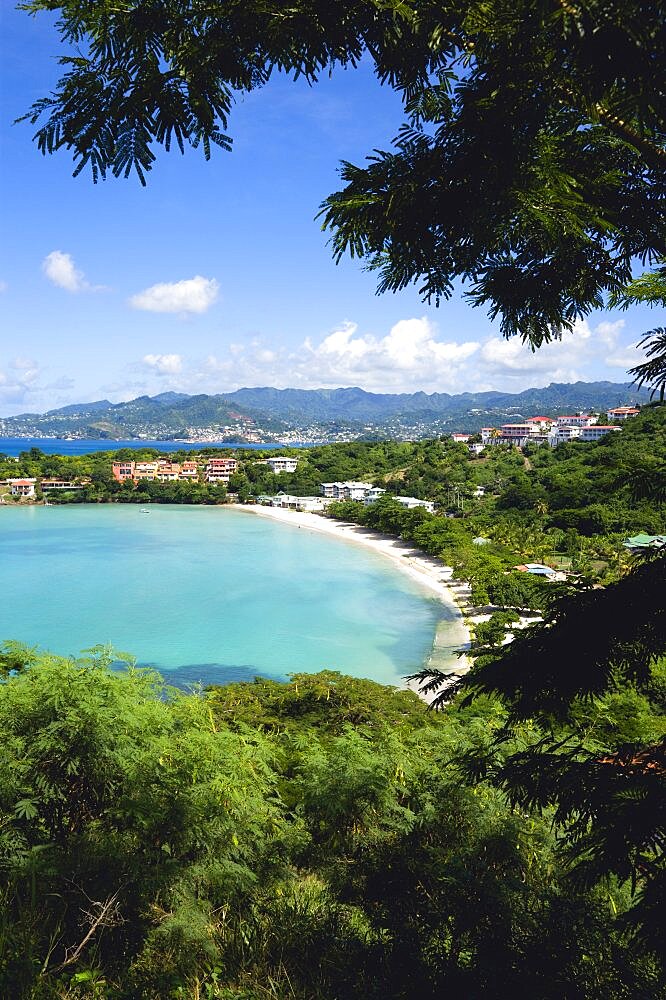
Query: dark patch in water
point(189, 675)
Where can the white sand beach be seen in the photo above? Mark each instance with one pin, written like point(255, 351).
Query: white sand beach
point(429, 572)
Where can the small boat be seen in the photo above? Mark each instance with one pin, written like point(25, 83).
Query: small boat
point(144, 510)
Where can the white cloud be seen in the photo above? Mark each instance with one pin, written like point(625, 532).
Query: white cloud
point(511, 364)
point(21, 364)
point(18, 382)
point(164, 364)
point(409, 357)
point(412, 356)
point(193, 295)
point(60, 269)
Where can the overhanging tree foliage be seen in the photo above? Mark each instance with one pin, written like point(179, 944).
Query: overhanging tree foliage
point(531, 162)
point(554, 681)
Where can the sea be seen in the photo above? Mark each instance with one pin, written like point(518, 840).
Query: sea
point(68, 446)
point(212, 594)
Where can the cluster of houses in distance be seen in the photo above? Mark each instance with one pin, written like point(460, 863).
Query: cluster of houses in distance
point(549, 430)
point(331, 492)
point(25, 488)
point(533, 430)
point(216, 470)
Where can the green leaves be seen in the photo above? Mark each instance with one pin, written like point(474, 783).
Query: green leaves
point(529, 167)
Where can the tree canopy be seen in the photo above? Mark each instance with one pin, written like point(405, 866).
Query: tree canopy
point(530, 164)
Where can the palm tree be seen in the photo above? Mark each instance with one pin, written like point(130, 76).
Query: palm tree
point(652, 372)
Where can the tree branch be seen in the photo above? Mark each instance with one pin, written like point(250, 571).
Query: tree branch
point(106, 909)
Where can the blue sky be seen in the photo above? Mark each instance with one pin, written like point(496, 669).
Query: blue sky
point(217, 276)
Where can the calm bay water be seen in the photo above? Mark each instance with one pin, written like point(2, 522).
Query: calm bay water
point(207, 593)
point(65, 446)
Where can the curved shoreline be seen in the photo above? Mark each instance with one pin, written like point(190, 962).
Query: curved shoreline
point(424, 570)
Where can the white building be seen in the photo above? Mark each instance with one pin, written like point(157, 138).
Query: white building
point(623, 412)
point(475, 449)
point(372, 495)
point(286, 501)
point(461, 438)
point(577, 420)
point(282, 464)
point(349, 490)
point(562, 433)
point(411, 502)
point(59, 484)
point(22, 487)
point(597, 432)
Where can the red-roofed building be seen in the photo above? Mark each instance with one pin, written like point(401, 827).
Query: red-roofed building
point(623, 412)
point(22, 487)
point(218, 470)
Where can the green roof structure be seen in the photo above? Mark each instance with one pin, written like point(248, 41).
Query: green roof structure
point(643, 541)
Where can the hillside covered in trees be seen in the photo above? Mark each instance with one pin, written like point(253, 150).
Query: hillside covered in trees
point(319, 839)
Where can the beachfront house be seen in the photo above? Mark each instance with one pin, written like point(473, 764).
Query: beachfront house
point(411, 502)
point(538, 569)
point(349, 490)
point(372, 495)
point(286, 501)
point(22, 487)
point(59, 484)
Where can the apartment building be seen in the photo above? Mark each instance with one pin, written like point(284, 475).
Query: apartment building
point(577, 420)
point(219, 470)
point(349, 490)
point(161, 471)
point(281, 463)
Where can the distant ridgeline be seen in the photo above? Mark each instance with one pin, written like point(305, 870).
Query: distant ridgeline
point(265, 414)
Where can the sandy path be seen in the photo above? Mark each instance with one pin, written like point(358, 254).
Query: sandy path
point(425, 570)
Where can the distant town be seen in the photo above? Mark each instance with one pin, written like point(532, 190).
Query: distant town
point(217, 471)
point(290, 416)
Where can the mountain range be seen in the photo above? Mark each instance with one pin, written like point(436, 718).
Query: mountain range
point(270, 414)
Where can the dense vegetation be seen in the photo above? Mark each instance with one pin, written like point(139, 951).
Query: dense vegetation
point(319, 839)
point(571, 506)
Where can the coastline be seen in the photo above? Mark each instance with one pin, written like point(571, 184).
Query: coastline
point(423, 569)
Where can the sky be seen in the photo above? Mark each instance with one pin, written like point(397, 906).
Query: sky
point(217, 275)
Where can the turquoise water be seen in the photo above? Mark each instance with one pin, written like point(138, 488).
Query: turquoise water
point(210, 594)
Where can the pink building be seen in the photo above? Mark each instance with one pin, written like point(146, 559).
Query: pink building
point(218, 470)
